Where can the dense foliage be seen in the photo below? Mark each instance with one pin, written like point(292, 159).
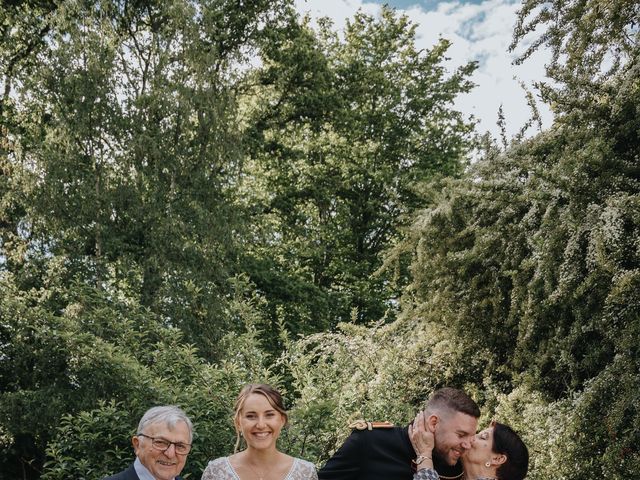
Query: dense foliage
point(343, 129)
point(122, 151)
point(177, 218)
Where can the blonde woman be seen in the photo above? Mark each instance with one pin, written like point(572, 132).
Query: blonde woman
point(259, 417)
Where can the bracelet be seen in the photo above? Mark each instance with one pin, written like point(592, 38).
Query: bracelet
point(421, 458)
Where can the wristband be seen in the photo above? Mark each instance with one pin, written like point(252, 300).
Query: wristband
point(421, 458)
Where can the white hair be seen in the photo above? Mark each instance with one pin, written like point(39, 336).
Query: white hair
point(170, 415)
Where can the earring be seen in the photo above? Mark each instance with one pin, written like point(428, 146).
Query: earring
point(488, 464)
point(241, 434)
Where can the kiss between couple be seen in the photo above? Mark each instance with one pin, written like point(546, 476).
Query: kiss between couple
point(441, 443)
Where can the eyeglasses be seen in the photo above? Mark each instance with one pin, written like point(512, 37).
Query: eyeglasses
point(163, 445)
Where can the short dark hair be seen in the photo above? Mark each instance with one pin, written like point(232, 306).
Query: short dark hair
point(509, 443)
point(453, 399)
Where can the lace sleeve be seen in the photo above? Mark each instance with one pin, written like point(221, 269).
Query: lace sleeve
point(303, 470)
point(218, 469)
point(426, 474)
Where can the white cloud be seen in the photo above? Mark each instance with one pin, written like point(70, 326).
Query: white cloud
point(479, 32)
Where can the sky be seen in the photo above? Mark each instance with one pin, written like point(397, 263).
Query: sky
point(479, 30)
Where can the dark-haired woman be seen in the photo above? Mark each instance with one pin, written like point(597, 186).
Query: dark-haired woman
point(497, 453)
point(259, 416)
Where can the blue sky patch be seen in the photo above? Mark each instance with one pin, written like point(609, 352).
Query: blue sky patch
point(425, 4)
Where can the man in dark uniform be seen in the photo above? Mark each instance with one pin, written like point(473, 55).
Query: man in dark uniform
point(385, 452)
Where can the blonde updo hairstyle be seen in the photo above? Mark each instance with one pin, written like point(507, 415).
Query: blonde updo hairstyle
point(271, 394)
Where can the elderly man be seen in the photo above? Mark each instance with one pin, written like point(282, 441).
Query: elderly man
point(161, 444)
point(382, 451)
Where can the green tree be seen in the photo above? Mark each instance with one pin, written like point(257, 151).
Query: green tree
point(119, 162)
point(534, 258)
point(124, 132)
point(343, 130)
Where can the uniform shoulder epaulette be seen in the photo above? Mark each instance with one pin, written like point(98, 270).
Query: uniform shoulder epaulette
point(364, 425)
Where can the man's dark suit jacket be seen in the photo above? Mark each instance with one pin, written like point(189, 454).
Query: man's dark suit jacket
point(379, 454)
point(128, 474)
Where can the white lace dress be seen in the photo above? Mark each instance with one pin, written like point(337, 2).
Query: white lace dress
point(221, 469)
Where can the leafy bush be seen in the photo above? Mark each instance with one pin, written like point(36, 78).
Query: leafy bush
point(93, 369)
